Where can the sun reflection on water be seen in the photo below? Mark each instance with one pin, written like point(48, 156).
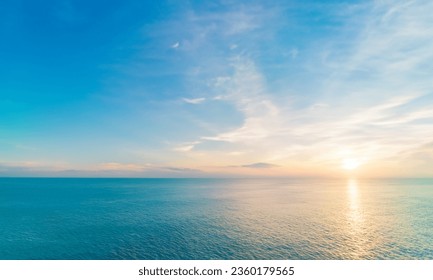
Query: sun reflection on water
point(355, 218)
point(354, 214)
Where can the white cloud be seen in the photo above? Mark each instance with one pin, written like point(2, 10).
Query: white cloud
point(194, 100)
point(186, 147)
point(175, 45)
point(247, 92)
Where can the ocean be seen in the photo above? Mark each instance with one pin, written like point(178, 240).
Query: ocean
point(99, 219)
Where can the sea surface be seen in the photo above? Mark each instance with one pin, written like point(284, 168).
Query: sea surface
point(65, 218)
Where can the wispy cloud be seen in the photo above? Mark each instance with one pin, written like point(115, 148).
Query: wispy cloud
point(116, 166)
point(259, 165)
point(246, 90)
point(31, 168)
point(186, 147)
point(175, 45)
point(146, 170)
point(109, 169)
point(194, 100)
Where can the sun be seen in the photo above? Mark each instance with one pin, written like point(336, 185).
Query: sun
point(350, 164)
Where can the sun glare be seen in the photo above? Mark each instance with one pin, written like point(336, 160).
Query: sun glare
point(350, 164)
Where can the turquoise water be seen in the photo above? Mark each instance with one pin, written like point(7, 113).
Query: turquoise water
point(58, 218)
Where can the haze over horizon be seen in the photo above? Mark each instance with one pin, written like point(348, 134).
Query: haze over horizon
point(190, 89)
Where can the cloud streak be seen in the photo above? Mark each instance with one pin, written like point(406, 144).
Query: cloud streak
point(108, 169)
point(259, 165)
point(194, 100)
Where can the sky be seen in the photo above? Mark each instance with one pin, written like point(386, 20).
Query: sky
point(132, 88)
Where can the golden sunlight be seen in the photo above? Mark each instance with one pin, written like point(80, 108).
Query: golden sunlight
point(350, 164)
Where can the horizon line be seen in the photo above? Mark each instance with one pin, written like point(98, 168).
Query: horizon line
point(239, 178)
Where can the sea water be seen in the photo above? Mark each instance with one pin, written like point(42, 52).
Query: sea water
point(73, 218)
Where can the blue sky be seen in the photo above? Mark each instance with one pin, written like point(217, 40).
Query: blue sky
point(216, 88)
